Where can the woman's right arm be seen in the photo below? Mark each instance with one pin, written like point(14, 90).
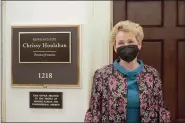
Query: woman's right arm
point(93, 113)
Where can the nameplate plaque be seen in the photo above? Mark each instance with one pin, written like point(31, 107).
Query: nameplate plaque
point(46, 56)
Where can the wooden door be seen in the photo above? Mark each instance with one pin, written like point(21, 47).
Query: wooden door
point(163, 46)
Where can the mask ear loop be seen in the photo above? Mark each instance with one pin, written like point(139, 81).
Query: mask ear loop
point(116, 52)
point(119, 59)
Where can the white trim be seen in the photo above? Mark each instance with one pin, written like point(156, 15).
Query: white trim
point(1, 60)
point(111, 26)
point(3, 69)
point(101, 25)
point(101, 30)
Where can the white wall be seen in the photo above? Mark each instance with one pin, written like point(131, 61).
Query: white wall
point(95, 19)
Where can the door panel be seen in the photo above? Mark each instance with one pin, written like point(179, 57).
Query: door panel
point(163, 47)
point(153, 14)
point(181, 78)
point(181, 15)
point(154, 47)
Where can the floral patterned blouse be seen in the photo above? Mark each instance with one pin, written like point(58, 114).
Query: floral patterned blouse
point(108, 102)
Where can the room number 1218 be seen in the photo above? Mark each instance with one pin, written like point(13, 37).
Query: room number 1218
point(45, 75)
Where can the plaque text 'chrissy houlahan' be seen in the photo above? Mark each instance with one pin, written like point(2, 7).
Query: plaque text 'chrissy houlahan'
point(45, 47)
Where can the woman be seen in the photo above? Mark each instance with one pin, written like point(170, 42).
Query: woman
point(127, 91)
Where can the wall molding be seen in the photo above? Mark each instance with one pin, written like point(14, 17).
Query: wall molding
point(3, 68)
point(102, 23)
point(111, 26)
point(1, 60)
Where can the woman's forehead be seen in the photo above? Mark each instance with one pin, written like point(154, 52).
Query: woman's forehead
point(124, 36)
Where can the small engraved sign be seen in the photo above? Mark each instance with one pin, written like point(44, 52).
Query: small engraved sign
point(51, 100)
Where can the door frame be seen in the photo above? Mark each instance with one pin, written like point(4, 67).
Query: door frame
point(1, 59)
point(3, 63)
point(111, 26)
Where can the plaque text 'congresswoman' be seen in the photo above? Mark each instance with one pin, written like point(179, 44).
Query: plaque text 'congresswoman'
point(48, 47)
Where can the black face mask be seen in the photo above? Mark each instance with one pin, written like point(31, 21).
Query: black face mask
point(128, 53)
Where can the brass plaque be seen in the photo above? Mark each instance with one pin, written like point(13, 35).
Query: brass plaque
point(46, 56)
